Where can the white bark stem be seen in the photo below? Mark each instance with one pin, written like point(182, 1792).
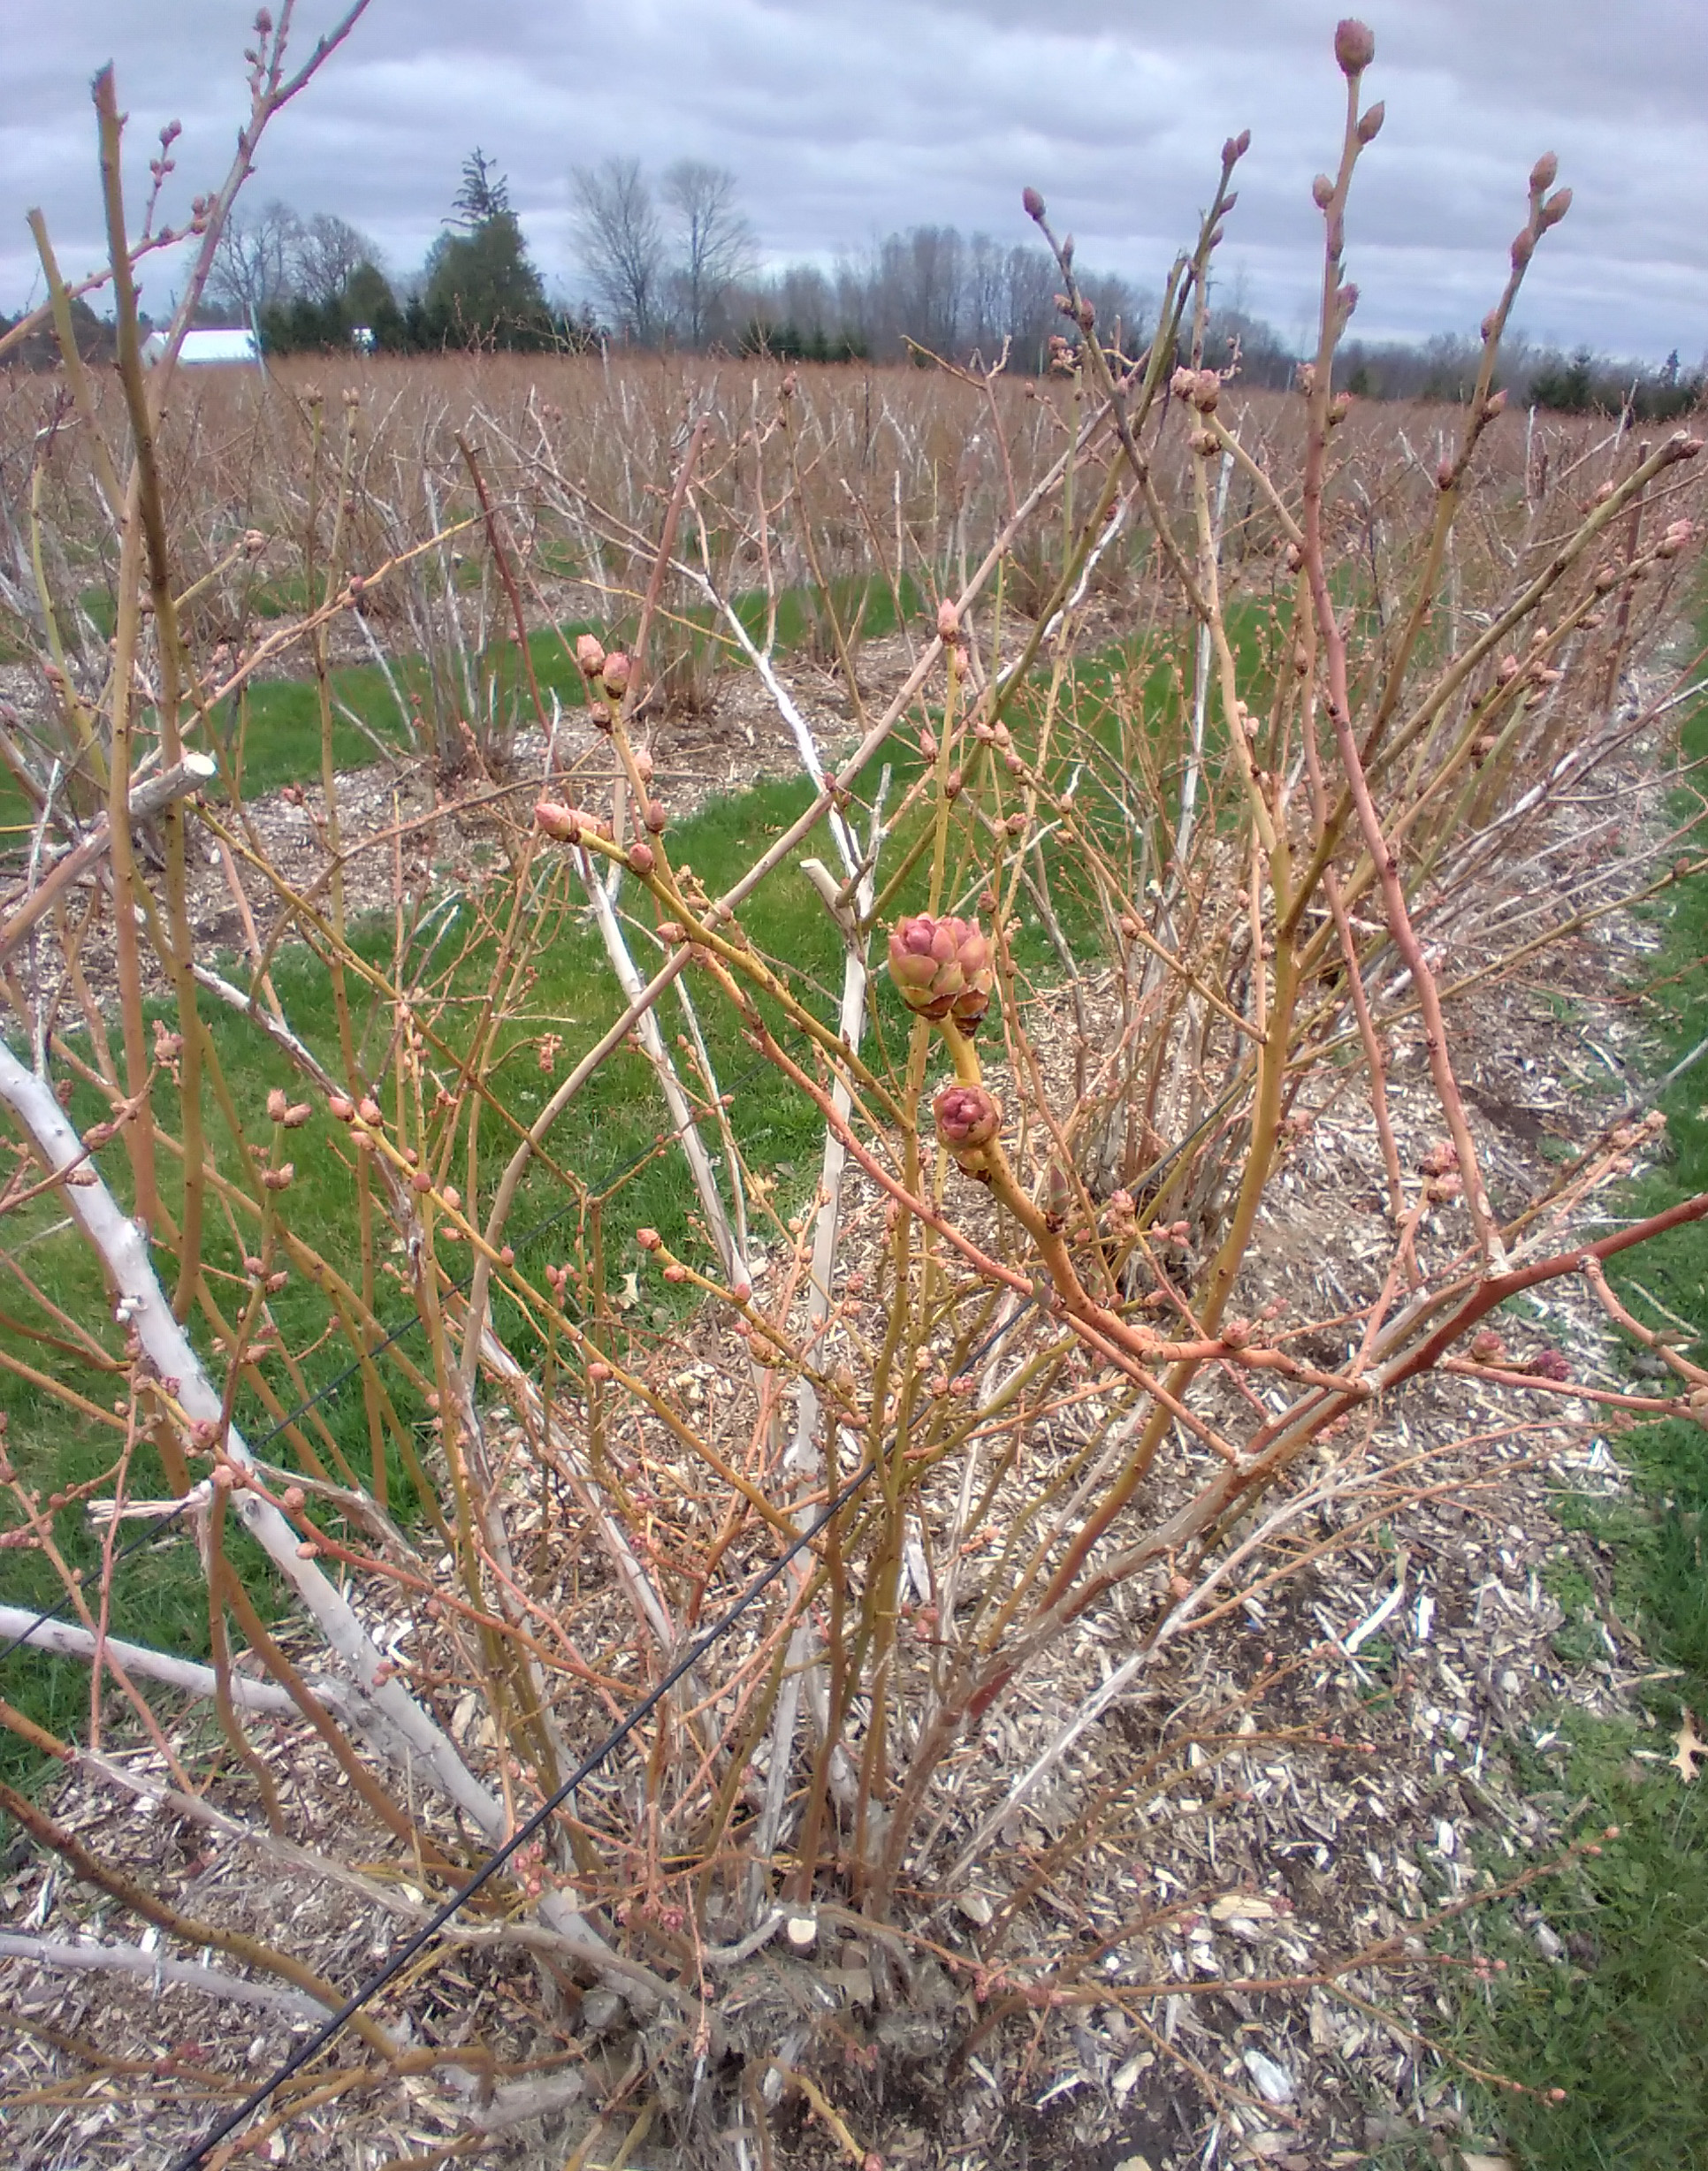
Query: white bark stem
point(163, 1973)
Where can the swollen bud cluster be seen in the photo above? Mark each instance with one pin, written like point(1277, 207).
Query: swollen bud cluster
point(968, 1118)
point(1354, 45)
point(941, 967)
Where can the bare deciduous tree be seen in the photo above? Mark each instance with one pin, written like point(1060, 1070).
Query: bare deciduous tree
point(715, 244)
point(255, 262)
point(327, 252)
point(619, 240)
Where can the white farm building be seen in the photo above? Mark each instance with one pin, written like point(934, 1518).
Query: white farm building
point(202, 347)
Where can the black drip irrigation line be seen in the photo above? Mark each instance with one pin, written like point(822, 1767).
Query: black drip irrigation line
point(400, 1957)
point(162, 1524)
point(159, 1528)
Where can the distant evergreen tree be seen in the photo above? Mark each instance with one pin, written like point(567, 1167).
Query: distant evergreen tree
point(483, 289)
point(485, 193)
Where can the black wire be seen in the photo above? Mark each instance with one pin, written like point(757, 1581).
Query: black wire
point(401, 1956)
point(406, 1952)
point(158, 1529)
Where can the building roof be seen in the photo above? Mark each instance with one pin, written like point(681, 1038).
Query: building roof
point(206, 346)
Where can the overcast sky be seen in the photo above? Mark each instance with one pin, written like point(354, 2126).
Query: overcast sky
point(845, 120)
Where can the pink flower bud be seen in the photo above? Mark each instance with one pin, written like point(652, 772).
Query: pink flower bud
point(654, 816)
point(276, 1104)
point(340, 1107)
point(949, 620)
point(1354, 45)
point(1032, 203)
point(1183, 384)
point(1236, 147)
point(590, 654)
point(941, 967)
point(648, 1239)
point(1543, 173)
point(1523, 249)
point(1555, 208)
point(968, 1117)
point(616, 674)
point(562, 822)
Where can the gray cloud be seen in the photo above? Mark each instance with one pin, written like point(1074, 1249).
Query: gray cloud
point(843, 122)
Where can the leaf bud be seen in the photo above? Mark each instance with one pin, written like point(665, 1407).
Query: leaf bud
point(1236, 147)
point(1370, 122)
point(1555, 208)
point(1322, 192)
point(1032, 203)
point(1543, 173)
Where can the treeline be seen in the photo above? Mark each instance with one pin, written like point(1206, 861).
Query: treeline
point(1582, 383)
point(316, 285)
point(672, 262)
